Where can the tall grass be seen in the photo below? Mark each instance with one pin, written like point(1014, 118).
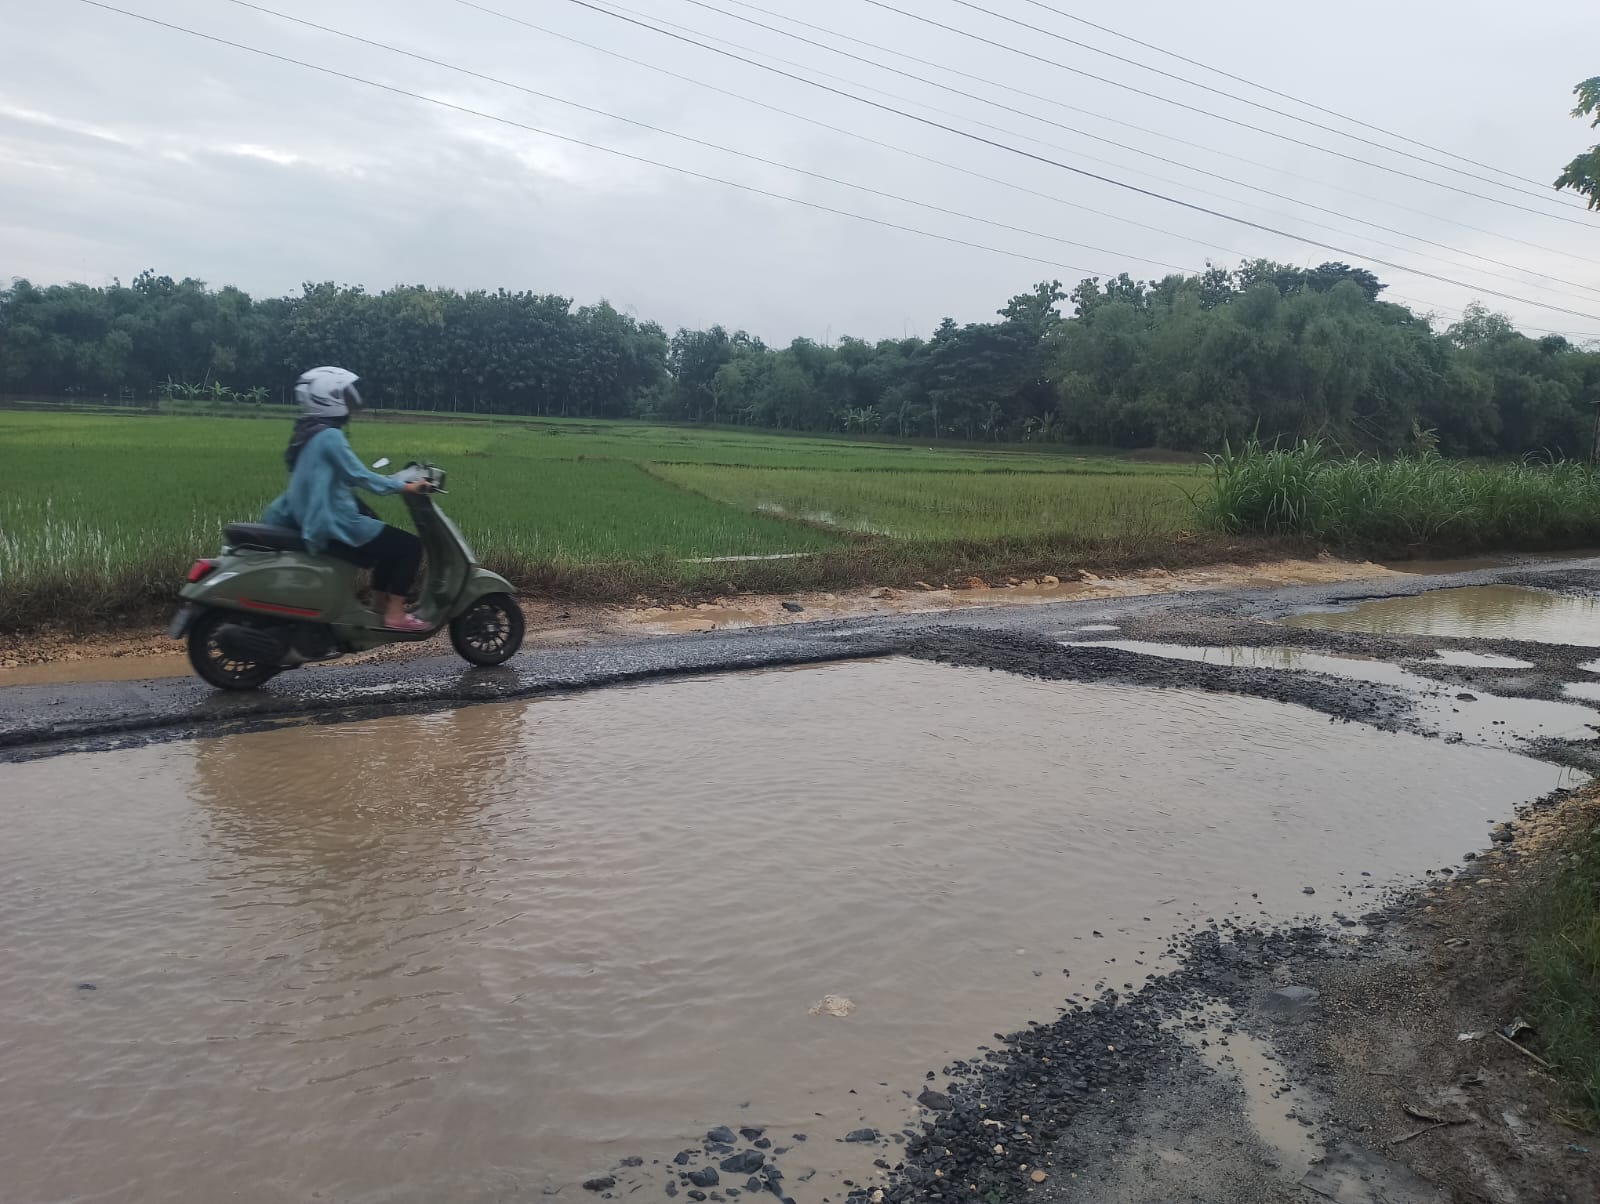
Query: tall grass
point(1421, 500)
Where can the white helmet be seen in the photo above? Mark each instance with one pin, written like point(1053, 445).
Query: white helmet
point(327, 392)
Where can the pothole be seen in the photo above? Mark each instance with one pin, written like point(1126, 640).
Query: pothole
point(505, 948)
point(1474, 612)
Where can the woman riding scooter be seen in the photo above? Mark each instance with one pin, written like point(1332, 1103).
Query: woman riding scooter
point(321, 503)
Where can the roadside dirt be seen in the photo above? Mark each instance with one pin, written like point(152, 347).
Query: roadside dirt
point(1406, 1045)
point(89, 657)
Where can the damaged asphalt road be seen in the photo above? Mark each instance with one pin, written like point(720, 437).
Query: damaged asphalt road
point(1293, 1064)
point(44, 720)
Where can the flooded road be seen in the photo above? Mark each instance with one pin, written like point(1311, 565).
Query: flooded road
point(488, 952)
point(1486, 612)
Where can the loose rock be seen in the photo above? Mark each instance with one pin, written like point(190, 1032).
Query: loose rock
point(1292, 1003)
point(832, 1005)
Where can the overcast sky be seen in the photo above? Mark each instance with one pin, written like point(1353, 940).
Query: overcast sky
point(125, 146)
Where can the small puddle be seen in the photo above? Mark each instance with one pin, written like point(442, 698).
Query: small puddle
point(97, 668)
point(1589, 691)
point(1468, 715)
point(1280, 1115)
point(1440, 568)
point(490, 952)
point(1478, 660)
point(1487, 612)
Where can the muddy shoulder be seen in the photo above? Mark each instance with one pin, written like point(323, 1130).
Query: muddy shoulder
point(573, 622)
point(1365, 1063)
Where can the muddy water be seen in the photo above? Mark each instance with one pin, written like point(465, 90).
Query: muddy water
point(1475, 612)
point(1471, 716)
point(475, 955)
point(97, 668)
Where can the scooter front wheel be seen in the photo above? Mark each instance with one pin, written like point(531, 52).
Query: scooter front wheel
point(488, 632)
point(217, 667)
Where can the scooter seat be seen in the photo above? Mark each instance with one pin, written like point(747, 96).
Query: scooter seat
point(263, 537)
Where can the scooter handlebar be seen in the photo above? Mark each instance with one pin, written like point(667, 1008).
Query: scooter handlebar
point(428, 474)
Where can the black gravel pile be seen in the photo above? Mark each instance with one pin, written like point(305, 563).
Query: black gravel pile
point(1034, 656)
point(995, 1129)
point(726, 1165)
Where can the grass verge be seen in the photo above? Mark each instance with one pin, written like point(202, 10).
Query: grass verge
point(90, 600)
point(1564, 967)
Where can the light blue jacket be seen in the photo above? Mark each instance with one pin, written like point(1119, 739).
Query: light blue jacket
point(319, 502)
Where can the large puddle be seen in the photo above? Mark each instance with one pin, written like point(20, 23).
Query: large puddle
point(1485, 612)
point(480, 954)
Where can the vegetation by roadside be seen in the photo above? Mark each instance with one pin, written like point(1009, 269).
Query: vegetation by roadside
point(1415, 501)
point(1564, 966)
point(103, 513)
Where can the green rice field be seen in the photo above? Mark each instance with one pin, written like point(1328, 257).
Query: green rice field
point(102, 512)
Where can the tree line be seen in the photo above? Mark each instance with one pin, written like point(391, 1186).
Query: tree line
point(1184, 362)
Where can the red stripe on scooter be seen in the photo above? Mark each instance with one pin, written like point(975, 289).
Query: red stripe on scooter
point(280, 610)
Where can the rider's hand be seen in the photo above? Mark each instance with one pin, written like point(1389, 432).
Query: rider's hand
point(418, 487)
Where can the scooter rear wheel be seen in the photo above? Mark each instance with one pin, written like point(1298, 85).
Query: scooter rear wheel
point(488, 632)
point(216, 666)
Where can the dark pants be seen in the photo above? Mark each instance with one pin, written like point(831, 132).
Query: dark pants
point(393, 557)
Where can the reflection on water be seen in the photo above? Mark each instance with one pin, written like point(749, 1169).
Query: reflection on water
point(1504, 612)
point(476, 955)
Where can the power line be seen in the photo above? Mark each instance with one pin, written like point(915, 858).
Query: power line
point(1422, 309)
point(967, 33)
point(533, 129)
point(701, 82)
point(1299, 100)
point(1255, 104)
point(395, 90)
point(1567, 284)
point(1035, 96)
point(655, 129)
point(1084, 172)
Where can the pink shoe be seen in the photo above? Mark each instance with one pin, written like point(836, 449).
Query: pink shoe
point(409, 623)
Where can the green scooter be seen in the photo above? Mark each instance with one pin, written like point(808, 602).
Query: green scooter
point(266, 604)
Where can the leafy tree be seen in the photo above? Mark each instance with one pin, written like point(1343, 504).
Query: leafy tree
point(1180, 362)
point(1582, 175)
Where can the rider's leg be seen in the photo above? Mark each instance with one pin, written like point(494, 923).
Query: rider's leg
point(393, 556)
point(397, 555)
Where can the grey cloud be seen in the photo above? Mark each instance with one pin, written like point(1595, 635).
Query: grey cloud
point(123, 146)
